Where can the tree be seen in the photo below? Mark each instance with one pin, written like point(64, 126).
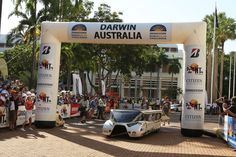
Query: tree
point(225, 31)
point(17, 59)
point(174, 68)
point(162, 59)
point(31, 8)
point(97, 58)
point(209, 19)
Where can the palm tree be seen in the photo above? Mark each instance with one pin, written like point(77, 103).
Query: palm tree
point(225, 31)
point(31, 8)
point(174, 68)
point(209, 19)
point(162, 59)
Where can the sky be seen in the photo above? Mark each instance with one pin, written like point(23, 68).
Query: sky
point(151, 11)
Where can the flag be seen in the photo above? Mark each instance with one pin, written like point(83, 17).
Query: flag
point(77, 84)
point(216, 18)
point(103, 87)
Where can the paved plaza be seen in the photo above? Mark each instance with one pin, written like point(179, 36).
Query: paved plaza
point(86, 140)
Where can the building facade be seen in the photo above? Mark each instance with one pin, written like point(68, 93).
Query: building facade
point(147, 84)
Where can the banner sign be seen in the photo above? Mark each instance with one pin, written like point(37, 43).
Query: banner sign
point(194, 88)
point(4, 117)
point(21, 115)
point(46, 65)
point(102, 32)
point(44, 106)
point(64, 110)
point(77, 84)
point(74, 110)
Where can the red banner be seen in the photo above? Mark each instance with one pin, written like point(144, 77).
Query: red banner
point(74, 110)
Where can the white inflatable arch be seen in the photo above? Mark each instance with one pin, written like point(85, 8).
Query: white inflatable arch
point(192, 35)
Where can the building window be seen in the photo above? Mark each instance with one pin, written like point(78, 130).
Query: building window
point(166, 49)
point(174, 49)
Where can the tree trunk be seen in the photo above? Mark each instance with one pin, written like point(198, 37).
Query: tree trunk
point(172, 90)
point(209, 68)
point(222, 71)
point(68, 80)
point(150, 85)
point(158, 84)
point(99, 80)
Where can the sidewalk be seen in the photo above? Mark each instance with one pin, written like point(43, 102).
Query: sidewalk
point(86, 140)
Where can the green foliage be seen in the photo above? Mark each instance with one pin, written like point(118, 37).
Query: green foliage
point(91, 58)
point(174, 66)
point(173, 92)
point(225, 31)
point(17, 60)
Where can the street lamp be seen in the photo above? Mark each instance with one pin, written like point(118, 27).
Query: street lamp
point(234, 74)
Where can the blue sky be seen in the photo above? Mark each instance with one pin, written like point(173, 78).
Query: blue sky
point(149, 11)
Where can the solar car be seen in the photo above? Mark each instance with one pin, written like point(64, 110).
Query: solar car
point(135, 123)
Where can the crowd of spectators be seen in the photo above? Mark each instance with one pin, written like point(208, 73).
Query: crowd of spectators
point(13, 93)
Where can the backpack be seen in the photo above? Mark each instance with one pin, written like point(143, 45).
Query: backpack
point(92, 104)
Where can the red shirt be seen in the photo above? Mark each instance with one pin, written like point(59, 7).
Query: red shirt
point(28, 105)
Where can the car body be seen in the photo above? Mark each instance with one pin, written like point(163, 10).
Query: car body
point(176, 107)
point(135, 123)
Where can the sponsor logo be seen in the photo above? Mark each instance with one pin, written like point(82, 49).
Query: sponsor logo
point(46, 50)
point(194, 68)
point(64, 111)
point(193, 104)
point(158, 32)
point(42, 109)
point(45, 75)
point(44, 64)
point(79, 31)
point(194, 90)
point(195, 53)
point(43, 97)
point(198, 81)
point(193, 117)
point(117, 31)
point(23, 112)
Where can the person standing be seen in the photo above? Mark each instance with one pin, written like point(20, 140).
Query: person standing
point(84, 108)
point(101, 107)
point(166, 109)
point(92, 107)
point(13, 108)
point(158, 104)
point(222, 102)
point(231, 110)
point(29, 105)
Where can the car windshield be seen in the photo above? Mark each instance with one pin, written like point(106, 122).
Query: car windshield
point(124, 116)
